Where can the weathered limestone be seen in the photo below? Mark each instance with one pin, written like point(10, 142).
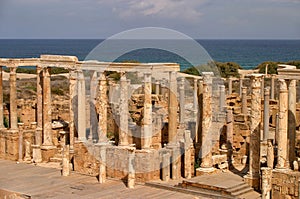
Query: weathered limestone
point(27, 157)
point(199, 120)
point(292, 120)
point(282, 162)
point(229, 86)
point(206, 145)
point(157, 87)
point(272, 87)
point(72, 106)
point(93, 115)
point(20, 126)
point(102, 103)
point(175, 162)
point(240, 86)
point(13, 98)
point(102, 162)
point(266, 184)
point(270, 154)
point(165, 166)
point(147, 112)
point(263, 87)
point(255, 125)
point(81, 126)
point(66, 160)
point(47, 118)
point(195, 98)
point(172, 130)
point(222, 97)
point(131, 169)
point(266, 113)
point(244, 101)
point(123, 128)
point(187, 155)
point(36, 148)
point(1, 99)
point(229, 135)
point(181, 103)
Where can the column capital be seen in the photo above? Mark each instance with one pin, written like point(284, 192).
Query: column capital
point(282, 85)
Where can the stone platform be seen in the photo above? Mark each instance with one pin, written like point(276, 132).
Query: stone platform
point(29, 181)
point(217, 185)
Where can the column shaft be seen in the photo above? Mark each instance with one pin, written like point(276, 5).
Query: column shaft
point(229, 86)
point(272, 87)
point(72, 106)
point(181, 102)
point(47, 118)
point(39, 106)
point(13, 98)
point(222, 97)
point(292, 120)
point(93, 115)
point(282, 161)
point(123, 129)
point(102, 101)
point(81, 126)
point(173, 104)
point(147, 112)
point(266, 113)
point(244, 101)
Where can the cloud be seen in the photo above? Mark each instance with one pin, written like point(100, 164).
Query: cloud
point(187, 10)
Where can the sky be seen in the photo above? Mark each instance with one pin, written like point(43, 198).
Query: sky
point(199, 19)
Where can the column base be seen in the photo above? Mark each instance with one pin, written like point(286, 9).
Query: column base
point(201, 171)
point(36, 153)
point(253, 181)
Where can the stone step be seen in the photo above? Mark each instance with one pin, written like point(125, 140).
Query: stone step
point(56, 159)
point(242, 191)
point(250, 195)
point(238, 187)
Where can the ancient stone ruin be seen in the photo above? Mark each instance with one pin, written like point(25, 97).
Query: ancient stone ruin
point(141, 122)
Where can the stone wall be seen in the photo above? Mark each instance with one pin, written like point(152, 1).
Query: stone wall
point(285, 184)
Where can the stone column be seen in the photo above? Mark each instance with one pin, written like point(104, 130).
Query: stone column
point(195, 98)
point(147, 112)
point(262, 86)
point(282, 161)
point(229, 86)
point(199, 120)
point(266, 184)
point(93, 114)
point(39, 107)
point(244, 101)
point(66, 160)
point(241, 86)
point(229, 135)
point(266, 113)
point(292, 120)
point(81, 126)
point(272, 87)
point(102, 162)
point(21, 125)
point(13, 98)
point(206, 145)
point(165, 166)
point(131, 169)
point(123, 128)
point(181, 103)
point(157, 87)
point(1, 99)
point(102, 103)
point(222, 98)
point(187, 155)
point(255, 121)
point(270, 154)
point(72, 106)
point(47, 118)
point(173, 104)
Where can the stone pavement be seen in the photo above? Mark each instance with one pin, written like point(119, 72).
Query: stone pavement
point(29, 181)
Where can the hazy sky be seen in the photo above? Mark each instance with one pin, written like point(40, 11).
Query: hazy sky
point(217, 19)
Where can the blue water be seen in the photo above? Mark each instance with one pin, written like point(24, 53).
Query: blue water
point(247, 53)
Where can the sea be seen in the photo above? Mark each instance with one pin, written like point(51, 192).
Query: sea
point(247, 53)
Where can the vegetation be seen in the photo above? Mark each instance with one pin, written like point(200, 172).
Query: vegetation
point(272, 66)
point(53, 71)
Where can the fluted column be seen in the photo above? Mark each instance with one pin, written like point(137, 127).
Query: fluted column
point(123, 128)
point(282, 161)
point(72, 106)
point(81, 125)
point(292, 120)
point(147, 112)
point(266, 113)
point(47, 118)
point(255, 125)
point(102, 101)
point(1, 98)
point(13, 98)
point(173, 104)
